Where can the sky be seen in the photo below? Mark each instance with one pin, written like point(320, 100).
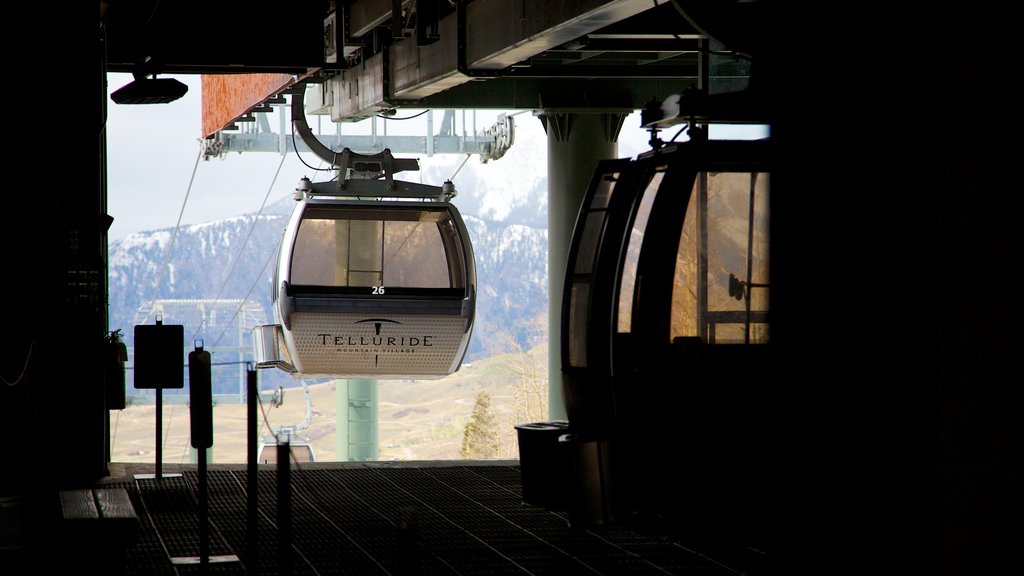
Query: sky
point(152, 152)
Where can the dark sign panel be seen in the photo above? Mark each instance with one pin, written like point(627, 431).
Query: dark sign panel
point(160, 356)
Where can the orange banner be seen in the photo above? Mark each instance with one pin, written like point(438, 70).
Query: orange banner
point(229, 96)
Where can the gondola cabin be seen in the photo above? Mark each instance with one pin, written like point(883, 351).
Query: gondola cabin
point(667, 297)
point(300, 451)
point(375, 278)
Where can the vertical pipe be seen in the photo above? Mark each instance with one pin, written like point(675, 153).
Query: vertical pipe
point(241, 356)
point(341, 417)
point(204, 512)
point(430, 133)
point(282, 123)
point(750, 258)
point(201, 432)
point(284, 508)
point(251, 490)
point(159, 431)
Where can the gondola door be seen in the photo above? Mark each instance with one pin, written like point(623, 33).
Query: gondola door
point(692, 335)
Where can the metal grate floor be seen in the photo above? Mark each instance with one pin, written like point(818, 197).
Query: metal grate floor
point(393, 519)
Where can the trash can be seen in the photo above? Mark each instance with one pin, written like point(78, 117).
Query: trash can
point(588, 482)
point(540, 463)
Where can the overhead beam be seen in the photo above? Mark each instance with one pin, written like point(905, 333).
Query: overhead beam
point(419, 71)
point(361, 91)
point(563, 93)
point(206, 37)
point(500, 34)
point(495, 35)
point(365, 15)
point(361, 143)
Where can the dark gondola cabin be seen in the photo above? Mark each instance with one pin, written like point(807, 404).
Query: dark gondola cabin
point(667, 297)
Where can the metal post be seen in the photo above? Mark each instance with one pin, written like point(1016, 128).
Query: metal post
point(284, 508)
point(282, 125)
point(251, 490)
point(430, 133)
point(241, 356)
point(159, 432)
point(201, 432)
point(341, 420)
point(204, 512)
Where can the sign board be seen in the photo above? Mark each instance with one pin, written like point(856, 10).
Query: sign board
point(159, 356)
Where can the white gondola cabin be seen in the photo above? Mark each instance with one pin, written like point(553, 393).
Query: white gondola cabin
point(382, 287)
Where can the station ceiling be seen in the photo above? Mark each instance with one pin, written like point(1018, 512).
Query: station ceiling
point(523, 54)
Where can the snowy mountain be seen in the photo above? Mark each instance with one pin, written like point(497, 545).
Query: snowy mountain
point(511, 190)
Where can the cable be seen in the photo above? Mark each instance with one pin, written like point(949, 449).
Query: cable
point(246, 298)
point(251, 288)
point(241, 251)
point(300, 155)
point(113, 435)
point(685, 126)
point(266, 420)
point(406, 118)
point(452, 179)
point(167, 429)
point(170, 245)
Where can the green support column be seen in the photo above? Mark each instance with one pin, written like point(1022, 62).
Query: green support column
point(359, 262)
point(356, 430)
point(576, 143)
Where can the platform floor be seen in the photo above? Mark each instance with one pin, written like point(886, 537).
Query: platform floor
point(389, 518)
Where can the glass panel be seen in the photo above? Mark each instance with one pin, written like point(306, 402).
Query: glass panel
point(603, 194)
point(737, 261)
point(684, 291)
point(579, 299)
point(313, 255)
point(414, 256)
point(588, 242)
point(385, 247)
point(636, 240)
point(358, 252)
